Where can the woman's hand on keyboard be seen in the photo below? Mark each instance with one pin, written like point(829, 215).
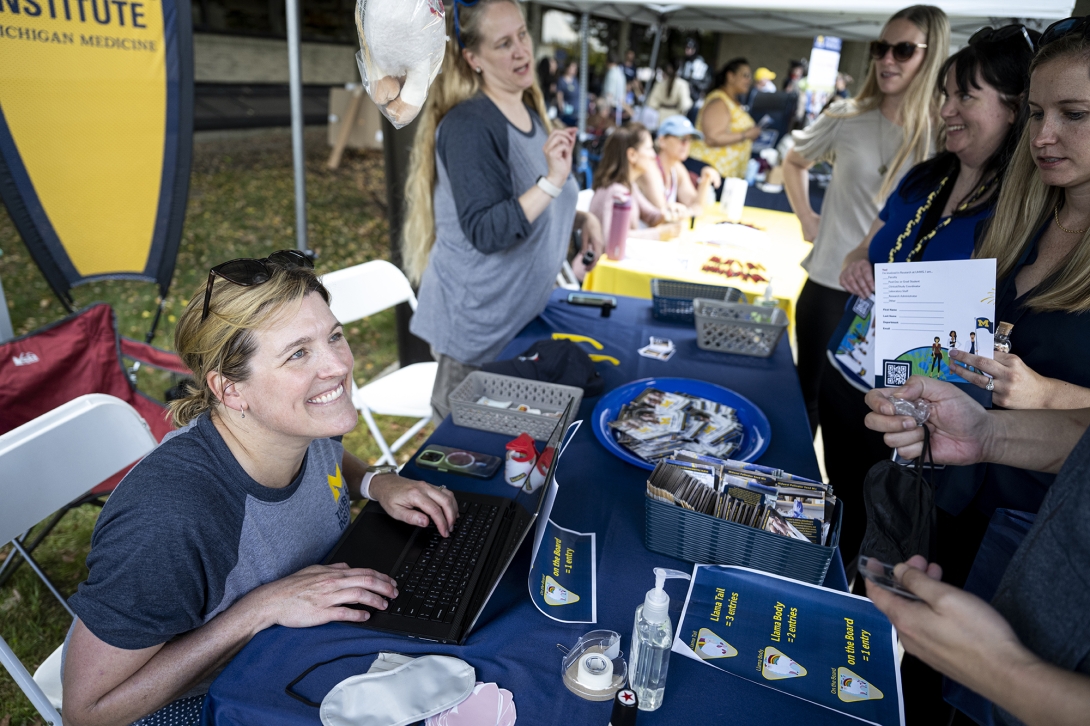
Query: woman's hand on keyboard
point(415, 502)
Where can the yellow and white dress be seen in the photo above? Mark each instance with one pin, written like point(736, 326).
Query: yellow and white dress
point(728, 160)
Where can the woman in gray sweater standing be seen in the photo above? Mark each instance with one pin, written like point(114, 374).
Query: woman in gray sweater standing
point(490, 197)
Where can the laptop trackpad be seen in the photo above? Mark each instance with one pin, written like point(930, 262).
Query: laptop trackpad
point(376, 541)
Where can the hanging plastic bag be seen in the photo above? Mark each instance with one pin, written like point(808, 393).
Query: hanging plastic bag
point(402, 43)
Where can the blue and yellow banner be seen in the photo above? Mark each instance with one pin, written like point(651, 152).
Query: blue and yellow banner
point(96, 131)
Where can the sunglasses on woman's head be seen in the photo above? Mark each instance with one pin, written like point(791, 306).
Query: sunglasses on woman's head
point(1065, 27)
point(249, 271)
point(901, 51)
point(1007, 33)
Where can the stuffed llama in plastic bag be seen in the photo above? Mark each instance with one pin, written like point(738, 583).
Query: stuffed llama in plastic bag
point(401, 51)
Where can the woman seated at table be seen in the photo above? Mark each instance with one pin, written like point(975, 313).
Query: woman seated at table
point(935, 214)
point(215, 535)
point(629, 154)
point(670, 184)
point(729, 132)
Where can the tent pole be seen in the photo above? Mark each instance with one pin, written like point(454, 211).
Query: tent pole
point(295, 76)
point(660, 26)
point(6, 330)
point(582, 164)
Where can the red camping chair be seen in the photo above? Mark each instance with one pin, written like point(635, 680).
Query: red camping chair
point(77, 355)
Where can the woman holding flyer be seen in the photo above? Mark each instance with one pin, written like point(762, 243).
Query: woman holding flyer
point(934, 214)
point(1039, 239)
point(874, 139)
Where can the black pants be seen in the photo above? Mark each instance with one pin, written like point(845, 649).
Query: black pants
point(851, 449)
point(816, 316)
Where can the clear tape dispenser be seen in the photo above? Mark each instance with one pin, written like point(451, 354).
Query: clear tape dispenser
point(594, 668)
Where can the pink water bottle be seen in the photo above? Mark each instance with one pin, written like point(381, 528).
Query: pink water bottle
point(618, 226)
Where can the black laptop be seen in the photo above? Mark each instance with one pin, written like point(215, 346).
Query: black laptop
point(444, 583)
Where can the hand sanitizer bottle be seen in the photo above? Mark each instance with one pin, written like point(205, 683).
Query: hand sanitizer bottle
point(652, 636)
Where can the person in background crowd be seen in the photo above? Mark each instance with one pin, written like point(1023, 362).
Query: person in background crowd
point(763, 80)
point(546, 79)
point(217, 533)
point(635, 88)
point(843, 80)
point(627, 155)
point(670, 95)
point(1025, 652)
point(614, 87)
point(601, 120)
point(567, 94)
point(796, 71)
point(697, 73)
point(729, 132)
point(983, 87)
point(670, 187)
point(873, 140)
point(490, 197)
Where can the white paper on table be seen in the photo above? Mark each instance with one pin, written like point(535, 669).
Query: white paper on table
point(917, 306)
point(554, 487)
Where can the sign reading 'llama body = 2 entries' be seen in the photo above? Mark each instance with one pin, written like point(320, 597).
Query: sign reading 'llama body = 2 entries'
point(830, 648)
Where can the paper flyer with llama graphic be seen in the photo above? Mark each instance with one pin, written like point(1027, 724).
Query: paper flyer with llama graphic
point(824, 646)
point(924, 310)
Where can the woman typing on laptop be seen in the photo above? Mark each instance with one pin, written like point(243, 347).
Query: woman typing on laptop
point(214, 536)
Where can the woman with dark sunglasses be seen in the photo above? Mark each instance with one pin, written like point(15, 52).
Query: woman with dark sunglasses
point(936, 213)
point(216, 534)
point(872, 141)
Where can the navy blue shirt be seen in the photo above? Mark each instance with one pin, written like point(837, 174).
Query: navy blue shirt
point(955, 241)
point(1055, 344)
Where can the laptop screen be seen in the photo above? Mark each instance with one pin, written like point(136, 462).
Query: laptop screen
point(532, 501)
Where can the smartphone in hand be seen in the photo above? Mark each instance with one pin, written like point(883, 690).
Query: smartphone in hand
point(881, 575)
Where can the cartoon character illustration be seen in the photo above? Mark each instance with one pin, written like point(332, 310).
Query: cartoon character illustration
point(777, 666)
point(555, 594)
point(851, 688)
point(972, 343)
point(936, 357)
point(953, 340)
point(709, 645)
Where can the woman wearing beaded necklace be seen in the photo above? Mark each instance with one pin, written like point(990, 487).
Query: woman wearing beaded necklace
point(872, 140)
point(934, 214)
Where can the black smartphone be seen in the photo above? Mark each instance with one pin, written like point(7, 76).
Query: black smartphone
point(881, 575)
point(591, 300)
point(458, 461)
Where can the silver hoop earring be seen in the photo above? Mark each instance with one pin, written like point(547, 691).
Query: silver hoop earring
point(243, 413)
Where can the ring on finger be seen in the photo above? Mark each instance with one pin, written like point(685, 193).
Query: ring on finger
point(990, 386)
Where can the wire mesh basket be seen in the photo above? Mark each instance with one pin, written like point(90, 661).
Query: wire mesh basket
point(737, 327)
point(550, 398)
point(673, 299)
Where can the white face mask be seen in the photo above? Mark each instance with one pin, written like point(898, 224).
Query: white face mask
point(397, 690)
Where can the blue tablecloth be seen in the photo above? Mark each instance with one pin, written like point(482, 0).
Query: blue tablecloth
point(515, 645)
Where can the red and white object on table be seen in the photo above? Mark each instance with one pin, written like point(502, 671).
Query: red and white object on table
point(521, 455)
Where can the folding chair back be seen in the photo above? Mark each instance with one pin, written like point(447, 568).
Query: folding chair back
point(363, 290)
point(48, 462)
point(359, 292)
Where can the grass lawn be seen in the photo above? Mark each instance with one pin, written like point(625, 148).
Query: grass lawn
point(240, 205)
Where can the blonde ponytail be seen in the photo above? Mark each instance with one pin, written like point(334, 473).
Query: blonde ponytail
point(456, 83)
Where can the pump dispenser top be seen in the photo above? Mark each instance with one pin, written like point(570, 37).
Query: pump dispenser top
point(656, 606)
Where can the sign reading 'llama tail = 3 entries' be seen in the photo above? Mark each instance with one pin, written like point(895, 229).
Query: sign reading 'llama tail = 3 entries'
point(827, 647)
point(96, 126)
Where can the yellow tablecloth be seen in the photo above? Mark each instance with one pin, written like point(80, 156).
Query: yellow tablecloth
point(775, 250)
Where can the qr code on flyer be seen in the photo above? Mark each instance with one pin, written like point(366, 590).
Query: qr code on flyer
point(896, 372)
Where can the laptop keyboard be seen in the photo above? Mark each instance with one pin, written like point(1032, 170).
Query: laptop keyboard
point(432, 586)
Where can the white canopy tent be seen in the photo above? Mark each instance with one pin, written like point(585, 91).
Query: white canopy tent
point(846, 19)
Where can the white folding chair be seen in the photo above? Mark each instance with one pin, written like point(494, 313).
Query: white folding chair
point(359, 292)
point(47, 463)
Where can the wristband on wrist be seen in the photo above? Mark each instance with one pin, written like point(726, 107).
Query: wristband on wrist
point(370, 473)
point(548, 187)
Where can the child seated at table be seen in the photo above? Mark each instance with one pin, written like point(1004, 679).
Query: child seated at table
point(628, 154)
